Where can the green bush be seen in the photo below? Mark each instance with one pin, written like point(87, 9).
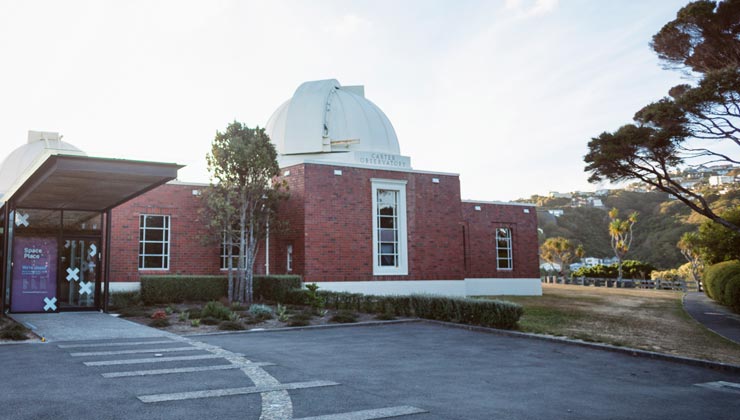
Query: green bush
point(120, 300)
point(275, 287)
point(214, 309)
point(344, 317)
point(209, 320)
point(487, 313)
point(231, 326)
point(260, 311)
point(300, 319)
point(722, 283)
point(14, 332)
point(179, 288)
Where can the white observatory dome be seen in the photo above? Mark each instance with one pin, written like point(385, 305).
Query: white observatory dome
point(324, 117)
point(40, 145)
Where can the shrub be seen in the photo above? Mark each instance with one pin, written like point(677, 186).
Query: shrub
point(631, 269)
point(487, 313)
point(194, 312)
point(159, 314)
point(344, 317)
point(214, 309)
point(184, 316)
point(260, 311)
point(180, 288)
point(120, 300)
point(300, 319)
point(195, 323)
point(209, 320)
point(282, 313)
point(159, 323)
point(231, 326)
point(14, 332)
point(315, 300)
point(722, 283)
point(385, 316)
point(275, 287)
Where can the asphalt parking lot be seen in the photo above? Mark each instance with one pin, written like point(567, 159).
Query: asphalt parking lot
point(415, 371)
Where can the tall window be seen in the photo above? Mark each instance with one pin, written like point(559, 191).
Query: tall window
point(504, 260)
point(154, 242)
point(389, 228)
point(225, 244)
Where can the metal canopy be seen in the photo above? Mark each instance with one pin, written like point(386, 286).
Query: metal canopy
point(87, 183)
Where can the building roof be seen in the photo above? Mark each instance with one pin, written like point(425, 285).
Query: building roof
point(324, 117)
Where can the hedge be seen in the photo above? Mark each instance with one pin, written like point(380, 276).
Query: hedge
point(631, 269)
point(487, 313)
point(722, 283)
point(181, 288)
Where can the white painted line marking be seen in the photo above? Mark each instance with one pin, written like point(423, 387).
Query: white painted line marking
point(137, 351)
point(380, 413)
point(130, 343)
point(721, 386)
point(210, 393)
point(153, 360)
point(180, 370)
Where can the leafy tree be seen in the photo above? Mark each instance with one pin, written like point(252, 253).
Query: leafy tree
point(691, 125)
point(703, 37)
point(620, 232)
point(558, 251)
point(717, 243)
point(580, 252)
point(244, 192)
point(689, 246)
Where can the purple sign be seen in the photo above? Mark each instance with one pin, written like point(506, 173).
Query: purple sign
point(34, 287)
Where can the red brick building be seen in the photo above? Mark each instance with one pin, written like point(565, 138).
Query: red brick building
point(359, 217)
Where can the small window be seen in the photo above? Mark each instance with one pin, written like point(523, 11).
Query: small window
point(225, 244)
point(289, 262)
point(504, 260)
point(154, 242)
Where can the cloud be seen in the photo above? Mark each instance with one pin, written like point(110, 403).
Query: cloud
point(526, 8)
point(349, 24)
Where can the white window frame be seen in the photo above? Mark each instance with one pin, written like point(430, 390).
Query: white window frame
point(510, 240)
point(224, 259)
point(402, 268)
point(289, 258)
point(166, 242)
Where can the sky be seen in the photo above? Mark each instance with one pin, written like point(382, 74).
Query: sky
point(505, 93)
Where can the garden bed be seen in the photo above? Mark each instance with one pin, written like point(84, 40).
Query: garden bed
point(172, 318)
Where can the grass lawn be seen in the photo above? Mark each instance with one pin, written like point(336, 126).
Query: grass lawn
point(644, 319)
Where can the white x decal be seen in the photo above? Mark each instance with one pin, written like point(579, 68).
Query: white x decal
point(50, 304)
point(73, 274)
point(86, 287)
point(21, 219)
point(93, 250)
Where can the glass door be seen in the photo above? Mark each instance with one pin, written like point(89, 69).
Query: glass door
point(79, 273)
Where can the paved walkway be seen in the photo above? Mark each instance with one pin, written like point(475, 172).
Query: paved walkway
point(73, 326)
point(713, 315)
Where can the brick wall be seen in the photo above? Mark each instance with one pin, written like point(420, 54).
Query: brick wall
point(337, 236)
point(480, 240)
point(328, 221)
point(188, 255)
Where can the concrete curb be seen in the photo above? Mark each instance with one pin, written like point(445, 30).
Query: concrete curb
point(310, 327)
point(725, 367)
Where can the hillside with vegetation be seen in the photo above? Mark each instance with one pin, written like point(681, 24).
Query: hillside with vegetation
point(661, 222)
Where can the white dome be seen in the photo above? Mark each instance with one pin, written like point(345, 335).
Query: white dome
point(40, 145)
point(324, 116)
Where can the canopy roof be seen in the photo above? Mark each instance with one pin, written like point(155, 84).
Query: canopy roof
point(88, 183)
